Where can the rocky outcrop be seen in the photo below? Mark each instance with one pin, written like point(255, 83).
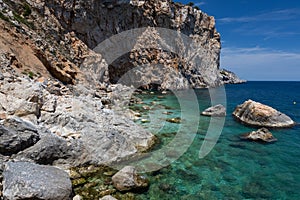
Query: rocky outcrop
point(215, 111)
point(74, 129)
point(262, 134)
point(100, 132)
point(24, 180)
point(257, 114)
point(128, 179)
point(229, 77)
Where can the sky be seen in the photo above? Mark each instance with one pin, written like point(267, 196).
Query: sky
point(260, 38)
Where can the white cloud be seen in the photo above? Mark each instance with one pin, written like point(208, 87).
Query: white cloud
point(200, 3)
point(278, 15)
point(261, 63)
point(267, 31)
point(274, 24)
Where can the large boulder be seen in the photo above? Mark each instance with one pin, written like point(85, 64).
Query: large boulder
point(16, 135)
point(215, 111)
point(23, 180)
point(47, 150)
point(262, 134)
point(257, 114)
point(128, 179)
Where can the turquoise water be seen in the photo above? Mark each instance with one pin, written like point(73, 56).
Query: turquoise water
point(234, 169)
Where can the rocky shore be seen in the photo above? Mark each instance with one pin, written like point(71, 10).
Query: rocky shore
point(65, 130)
point(62, 119)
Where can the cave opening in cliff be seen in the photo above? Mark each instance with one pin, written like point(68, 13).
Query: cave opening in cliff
point(121, 71)
point(118, 68)
point(147, 69)
point(125, 71)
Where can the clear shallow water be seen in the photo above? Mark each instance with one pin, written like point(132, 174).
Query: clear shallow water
point(234, 169)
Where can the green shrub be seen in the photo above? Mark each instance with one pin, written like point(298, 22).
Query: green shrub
point(31, 74)
point(2, 16)
point(22, 20)
point(27, 10)
point(191, 4)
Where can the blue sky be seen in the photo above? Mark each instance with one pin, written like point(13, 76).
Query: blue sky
point(260, 38)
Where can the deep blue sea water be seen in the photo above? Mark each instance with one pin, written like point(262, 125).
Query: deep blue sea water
point(234, 169)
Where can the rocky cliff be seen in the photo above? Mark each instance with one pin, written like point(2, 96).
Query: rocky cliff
point(61, 34)
point(197, 62)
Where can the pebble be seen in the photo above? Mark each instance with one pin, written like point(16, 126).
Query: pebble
point(144, 120)
point(77, 197)
point(146, 107)
point(176, 120)
point(167, 113)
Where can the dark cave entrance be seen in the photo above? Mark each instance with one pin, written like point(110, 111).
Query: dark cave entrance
point(122, 71)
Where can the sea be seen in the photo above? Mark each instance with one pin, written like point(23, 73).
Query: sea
point(232, 168)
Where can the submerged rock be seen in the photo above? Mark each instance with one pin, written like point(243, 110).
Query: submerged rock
point(128, 179)
point(257, 114)
point(23, 180)
point(262, 134)
point(215, 111)
point(176, 120)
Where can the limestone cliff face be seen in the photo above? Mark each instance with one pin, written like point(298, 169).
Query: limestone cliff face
point(61, 34)
point(94, 21)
